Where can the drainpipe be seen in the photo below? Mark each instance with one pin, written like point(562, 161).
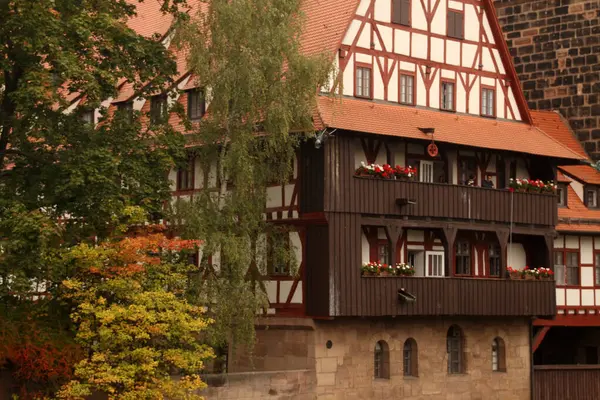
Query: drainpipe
point(531, 370)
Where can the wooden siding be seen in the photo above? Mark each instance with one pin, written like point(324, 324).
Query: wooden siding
point(457, 296)
point(346, 193)
point(351, 294)
point(566, 382)
point(317, 271)
point(311, 178)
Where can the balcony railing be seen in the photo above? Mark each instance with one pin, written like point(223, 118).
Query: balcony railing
point(455, 296)
point(438, 200)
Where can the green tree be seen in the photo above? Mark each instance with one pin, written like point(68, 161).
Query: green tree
point(134, 321)
point(261, 89)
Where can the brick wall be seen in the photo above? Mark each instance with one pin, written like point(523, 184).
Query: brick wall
point(555, 45)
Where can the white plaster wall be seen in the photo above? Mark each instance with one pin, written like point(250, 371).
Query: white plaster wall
point(513, 104)
point(587, 249)
point(471, 24)
point(560, 297)
point(468, 54)
point(516, 256)
point(461, 96)
point(587, 297)
point(363, 7)
point(587, 276)
point(387, 34)
point(418, 20)
point(383, 11)
point(597, 296)
point(486, 60)
point(421, 93)
point(402, 42)
point(419, 45)
point(271, 289)
point(364, 58)
point(377, 82)
point(573, 297)
point(499, 62)
point(559, 242)
point(500, 100)
point(365, 37)
point(474, 98)
point(351, 32)
point(407, 66)
point(348, 78)
point(173, 178)
point(488, 30)
point(437, 50)
point(572, 242)
point(393, 86)
point(597, 242)
point(455, 5)
point(452, 52)
point(434, 92)
point(438, 24)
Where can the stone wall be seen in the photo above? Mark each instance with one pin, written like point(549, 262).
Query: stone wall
point(346, 370)
point(555, 46)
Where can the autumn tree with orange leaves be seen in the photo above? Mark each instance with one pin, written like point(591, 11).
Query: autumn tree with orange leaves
point(133, 320)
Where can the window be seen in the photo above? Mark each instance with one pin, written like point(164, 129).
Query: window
point(498, 355)
point(592, 198)
point(382, 360)
point(407, 84)
point(158, 109)
point(597, 268)
point(487, 102)
point(383, 252)
point(401, 12)
point(494, 258)
point(410, 358)
point(561, 196)
point(87, 117)
point(278, 248)
point(454, 346)
point(196, 104)
point(559, 267)
point(455, 24)
point(127, 109)
point(185, 176)
point(363, 82)
point(572, 267)
point(463, 258)
point(447, 94)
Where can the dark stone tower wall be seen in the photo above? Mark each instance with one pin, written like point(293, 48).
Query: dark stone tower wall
point(555, 46)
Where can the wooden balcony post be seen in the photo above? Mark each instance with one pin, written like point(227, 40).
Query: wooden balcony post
point(450, 238)
point(393, 232)
point(502, 235)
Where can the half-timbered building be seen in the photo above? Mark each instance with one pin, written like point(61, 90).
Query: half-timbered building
point(428, 87)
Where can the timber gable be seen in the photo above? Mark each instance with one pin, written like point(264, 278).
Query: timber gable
point(472, 54)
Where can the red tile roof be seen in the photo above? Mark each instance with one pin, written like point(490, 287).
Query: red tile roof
point(558, 128)
point(326, 22)
point(582, 173)
point(149, 18)
point(560, 177)
point(578, 227)
point(404, 121)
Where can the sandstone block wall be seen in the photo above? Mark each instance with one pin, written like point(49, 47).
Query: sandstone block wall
point(346, 370)
point(555, 46)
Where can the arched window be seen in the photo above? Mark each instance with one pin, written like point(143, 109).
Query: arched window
point(498, 355)
point(382, 360)
point(454, 346)
point(411, 360)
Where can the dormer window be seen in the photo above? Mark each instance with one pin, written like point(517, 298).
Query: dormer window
point(196, 104)
point(126, 108)
point(87, 117)
point(401, 12)
point(591, 198)
point(487, 102)
point(158, 109)
point(562, 196)
point(363, 82)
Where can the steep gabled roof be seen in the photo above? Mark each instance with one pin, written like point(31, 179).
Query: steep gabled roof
point(467, 130)
point(576, 217)
point(558, 128)
point(582, 173)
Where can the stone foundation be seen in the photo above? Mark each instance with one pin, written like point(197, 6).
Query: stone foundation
point(346, 370)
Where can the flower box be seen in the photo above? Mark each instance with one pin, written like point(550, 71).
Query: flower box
point(374, 268)
point(532, 186)
point(385, 171)
point(531, 274)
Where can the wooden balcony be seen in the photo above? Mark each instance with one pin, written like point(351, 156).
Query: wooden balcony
point(455, 297)
point(443, 201)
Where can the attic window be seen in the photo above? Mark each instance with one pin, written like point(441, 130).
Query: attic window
point(196, 104)
point(158, 109)
point(401, 12)
point(561, 193)
point(592, 198)
point(455, 24)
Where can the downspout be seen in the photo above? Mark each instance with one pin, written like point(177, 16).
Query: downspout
point(531, 370)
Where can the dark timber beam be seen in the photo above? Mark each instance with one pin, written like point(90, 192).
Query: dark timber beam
point(539, 337)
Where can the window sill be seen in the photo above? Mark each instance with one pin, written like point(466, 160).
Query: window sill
point(410, 378)
point(447, 110)
point(364, 97)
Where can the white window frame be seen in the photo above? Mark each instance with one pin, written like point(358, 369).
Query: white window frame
point(440, 254)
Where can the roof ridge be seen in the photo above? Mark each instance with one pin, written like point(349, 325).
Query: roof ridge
point(557, 141)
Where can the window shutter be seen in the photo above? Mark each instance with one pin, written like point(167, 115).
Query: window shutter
point(459, 25)
point(450, 23)
point(397, 11)
point(405, 12)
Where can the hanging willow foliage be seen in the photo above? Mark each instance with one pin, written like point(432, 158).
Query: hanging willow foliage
point(261, 90)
